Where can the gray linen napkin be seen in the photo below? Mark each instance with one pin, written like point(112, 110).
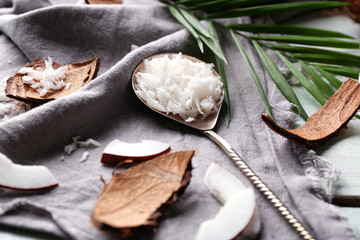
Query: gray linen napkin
point(107, 109)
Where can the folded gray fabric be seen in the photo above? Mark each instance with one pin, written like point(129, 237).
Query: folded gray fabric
point(107, 109)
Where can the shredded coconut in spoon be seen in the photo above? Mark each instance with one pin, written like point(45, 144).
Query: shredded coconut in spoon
point(44, 80)
point(180, 86)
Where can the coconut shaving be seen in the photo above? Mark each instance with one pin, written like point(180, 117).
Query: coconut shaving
point(44, 80)
point(8, 107)
point(173, 84)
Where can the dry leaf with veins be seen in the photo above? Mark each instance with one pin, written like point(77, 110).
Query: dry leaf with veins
point(135, 198)
point(104, 2)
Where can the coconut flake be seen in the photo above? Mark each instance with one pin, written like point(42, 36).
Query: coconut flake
point(67, 86)
point(134, 47)
point(44, 80)
point(93, 142)
point(70, 148)
point(180, 86)
point(88, 143)
point(84, 156)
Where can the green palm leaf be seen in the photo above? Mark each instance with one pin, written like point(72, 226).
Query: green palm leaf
point(253, 73)
point(307, 40)
point(200, 33)
point(190, 2)
point(214, 47)
point(318, 81)
point(303, 49)
point(287, 29)
point(221, 67)
point(224, 4)
point(328, 59)
point(279, 79)
point(175, 12)
point(208, 38)
point(196, 24)
point(313, 90)
point(334, 57)
point(342, 71)
point(275, 8)
point(331, 78)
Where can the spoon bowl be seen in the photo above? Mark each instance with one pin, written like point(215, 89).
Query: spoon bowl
point(205, 126)
point(207, 123)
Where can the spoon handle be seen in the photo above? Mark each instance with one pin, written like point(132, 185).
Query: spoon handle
point(260, 185)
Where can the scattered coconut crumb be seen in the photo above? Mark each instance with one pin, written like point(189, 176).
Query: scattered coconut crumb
point(70, 148)
point(84, 156)
point(67, 86)
point(9, 62)
point(88, 143)
point(62, 158)
point(8, 107)
point(134, 47)
point(44, 80)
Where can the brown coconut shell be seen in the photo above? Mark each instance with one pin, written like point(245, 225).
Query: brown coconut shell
point(78, 75)
point(136, 198)
point(104, 1)
point(352, 10)
point(328, 120)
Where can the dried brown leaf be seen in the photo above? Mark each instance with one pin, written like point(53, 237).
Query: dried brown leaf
point(78, 75)
point(328, 120)
point(135, 198)
point(104, 1)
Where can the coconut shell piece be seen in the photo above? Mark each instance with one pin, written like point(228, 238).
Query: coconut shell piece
point(135, 198)
point(104, 1)
point(78, 75)
point(328, 120)
point(352, 10)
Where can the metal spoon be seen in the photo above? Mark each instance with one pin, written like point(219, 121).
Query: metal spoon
point(205, 126)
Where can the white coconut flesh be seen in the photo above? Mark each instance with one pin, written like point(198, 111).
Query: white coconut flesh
point(232, 218)
point(221, 183)
point(180, 86)
point(24, 177)
point(140, 149)
point(224, 187)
